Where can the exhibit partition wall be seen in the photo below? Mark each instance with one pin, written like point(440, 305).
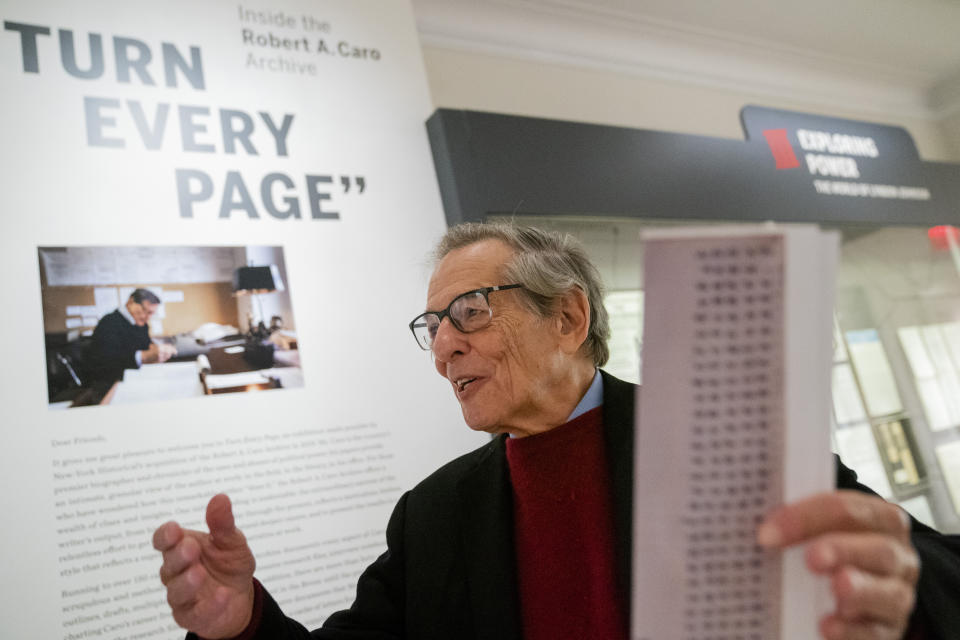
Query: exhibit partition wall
point(217, 217)
point(896, 366)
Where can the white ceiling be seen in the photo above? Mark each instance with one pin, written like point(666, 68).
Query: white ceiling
point(889, 56)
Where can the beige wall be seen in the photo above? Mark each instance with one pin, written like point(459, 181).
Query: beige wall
point(464, 80)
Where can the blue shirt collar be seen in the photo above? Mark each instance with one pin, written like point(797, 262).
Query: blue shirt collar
point(592, 399)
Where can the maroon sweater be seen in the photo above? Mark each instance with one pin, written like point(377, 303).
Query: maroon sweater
point(563, 525)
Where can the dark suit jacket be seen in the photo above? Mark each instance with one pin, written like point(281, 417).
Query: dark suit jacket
point(449, 571)
point(115, 344)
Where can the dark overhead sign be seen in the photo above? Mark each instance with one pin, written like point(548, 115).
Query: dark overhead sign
point(840, 157)
point(793, 167)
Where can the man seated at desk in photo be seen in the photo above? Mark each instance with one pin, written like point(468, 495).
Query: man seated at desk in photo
point(122, 338)
point(529, 536)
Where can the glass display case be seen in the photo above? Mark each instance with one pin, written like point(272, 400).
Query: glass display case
point(896, 370)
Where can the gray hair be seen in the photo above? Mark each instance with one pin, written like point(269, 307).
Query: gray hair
point(144, 295)
point(548, 264)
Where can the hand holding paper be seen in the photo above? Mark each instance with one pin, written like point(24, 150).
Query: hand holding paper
point(158, 352)
point(209, 576)
point(166, 351)
point(862, 543)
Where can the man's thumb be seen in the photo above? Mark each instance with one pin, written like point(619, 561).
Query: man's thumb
point(220, 521)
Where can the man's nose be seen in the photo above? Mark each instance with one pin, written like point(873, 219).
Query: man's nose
point(448, 341)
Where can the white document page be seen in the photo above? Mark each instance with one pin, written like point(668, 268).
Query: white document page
point(734, 421)
point(159, 382)
point(227, 380)
point(874, 372)
point(948, 455)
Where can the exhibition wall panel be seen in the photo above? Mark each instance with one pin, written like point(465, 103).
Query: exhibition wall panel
point(287, 129)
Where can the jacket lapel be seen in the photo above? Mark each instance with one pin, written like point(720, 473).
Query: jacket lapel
point(618, 416)
point(486, 512)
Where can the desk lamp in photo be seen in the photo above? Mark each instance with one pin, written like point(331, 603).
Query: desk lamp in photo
point(255, 281)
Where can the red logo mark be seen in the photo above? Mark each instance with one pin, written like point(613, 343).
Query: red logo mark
point(781, 149)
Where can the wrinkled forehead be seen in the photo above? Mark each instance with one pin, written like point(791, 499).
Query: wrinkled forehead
point(476, 265)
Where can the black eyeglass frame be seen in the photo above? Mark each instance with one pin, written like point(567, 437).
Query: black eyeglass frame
point(484, 291)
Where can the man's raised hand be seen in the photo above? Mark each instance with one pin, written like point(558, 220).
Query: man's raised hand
point(209, 576)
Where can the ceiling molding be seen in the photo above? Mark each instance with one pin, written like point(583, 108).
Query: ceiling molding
point(574, 34)
point(709, 38)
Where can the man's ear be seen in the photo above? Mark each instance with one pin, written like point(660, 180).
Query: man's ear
point(574, 319)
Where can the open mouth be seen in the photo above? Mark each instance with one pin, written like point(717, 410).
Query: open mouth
point(463, 382)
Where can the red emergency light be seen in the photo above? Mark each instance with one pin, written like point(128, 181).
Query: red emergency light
point(940, 236)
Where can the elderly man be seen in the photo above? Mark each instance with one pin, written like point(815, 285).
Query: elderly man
point(121, 339)
point(529, 536)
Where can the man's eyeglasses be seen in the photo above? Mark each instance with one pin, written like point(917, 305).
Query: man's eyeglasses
point(468, 312)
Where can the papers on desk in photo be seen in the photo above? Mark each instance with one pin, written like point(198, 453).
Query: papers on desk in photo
point(230, 380)
point(178, 380)
point(152, 382)
point(286, 376)
point(733, 420)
